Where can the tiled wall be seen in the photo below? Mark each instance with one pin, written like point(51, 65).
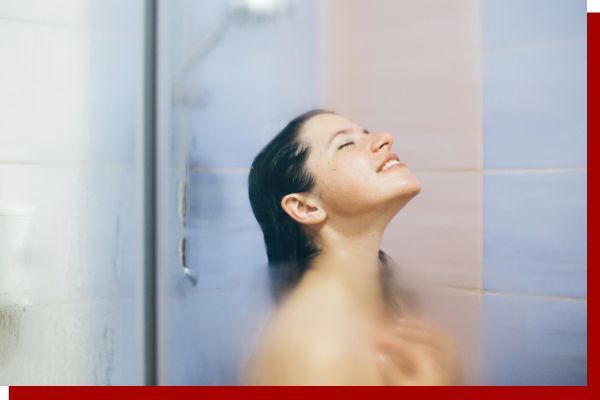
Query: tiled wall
point(534, 191)
point(324, 54)
point(70, 97)
point(486, 102)
point(414, 69)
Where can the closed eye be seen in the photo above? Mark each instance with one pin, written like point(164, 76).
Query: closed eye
point(365, 131)
point(345, 144)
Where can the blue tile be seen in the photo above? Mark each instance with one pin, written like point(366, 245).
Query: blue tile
point(509, 23)
point(226, 247)
point(534, 341)
point(219, 198)
point(240, 118)
point(228, 258)
point(535, 233)
point(210, 335)
point(534, 107)
point(250, 85)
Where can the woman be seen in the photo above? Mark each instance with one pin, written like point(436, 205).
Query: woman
point(323, 191)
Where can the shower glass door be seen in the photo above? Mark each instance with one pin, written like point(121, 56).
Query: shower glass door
point(230, 76)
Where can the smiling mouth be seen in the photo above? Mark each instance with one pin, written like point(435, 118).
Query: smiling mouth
point(392, 164)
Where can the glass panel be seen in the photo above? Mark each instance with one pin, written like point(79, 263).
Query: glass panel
point(71, 78)
point(231, 74)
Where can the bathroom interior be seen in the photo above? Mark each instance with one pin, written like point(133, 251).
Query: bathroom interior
point(129, 254)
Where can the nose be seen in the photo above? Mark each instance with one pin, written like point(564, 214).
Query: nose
point(381, 140)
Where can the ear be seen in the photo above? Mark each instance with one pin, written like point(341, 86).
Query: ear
point(303, 208)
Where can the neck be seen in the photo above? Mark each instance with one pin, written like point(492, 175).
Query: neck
point(349, 259)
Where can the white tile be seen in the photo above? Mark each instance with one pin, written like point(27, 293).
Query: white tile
point(123, 16)
point(80, 244)
point(69, 96)
point(74, 13)
point(69, 344)
point(44, 75)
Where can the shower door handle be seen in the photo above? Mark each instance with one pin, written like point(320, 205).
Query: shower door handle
point(182, 262)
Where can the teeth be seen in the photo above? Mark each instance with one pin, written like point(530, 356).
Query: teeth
point(389, 164)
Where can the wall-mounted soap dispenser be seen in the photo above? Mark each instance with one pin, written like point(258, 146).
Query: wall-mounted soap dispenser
point(15, 220)
point(15, 223)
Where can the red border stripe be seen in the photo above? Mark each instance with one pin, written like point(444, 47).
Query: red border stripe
point(593, 64)
point(300, 393)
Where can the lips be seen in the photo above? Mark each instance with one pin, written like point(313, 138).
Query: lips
point(389, 156)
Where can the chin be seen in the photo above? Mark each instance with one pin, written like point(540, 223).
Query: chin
point(416, 187)
point(408, 190)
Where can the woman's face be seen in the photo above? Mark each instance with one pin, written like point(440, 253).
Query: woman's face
point(347, 160)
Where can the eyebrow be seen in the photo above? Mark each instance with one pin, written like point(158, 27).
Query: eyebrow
point(343, 131)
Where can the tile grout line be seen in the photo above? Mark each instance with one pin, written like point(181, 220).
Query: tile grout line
point(545, 44)
point(243, 169)
point(537, 296)
point(448, 170)
point(85, 29)
point(58, 164)
point(532, 170)
point(482, 292)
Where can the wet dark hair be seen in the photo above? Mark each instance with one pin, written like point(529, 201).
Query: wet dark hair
point(277, 170)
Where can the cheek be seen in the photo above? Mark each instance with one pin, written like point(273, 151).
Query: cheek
point(348, 175)
point(349, 184)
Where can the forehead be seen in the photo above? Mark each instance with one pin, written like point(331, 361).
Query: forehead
point(319, 129)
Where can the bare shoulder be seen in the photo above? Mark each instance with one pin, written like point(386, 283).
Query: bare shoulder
point(303, 345)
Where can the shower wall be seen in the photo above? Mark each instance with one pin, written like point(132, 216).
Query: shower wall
point(414, 69)
point(486, 101)
point(70, 73)
point(380, 66)
point(534, 191)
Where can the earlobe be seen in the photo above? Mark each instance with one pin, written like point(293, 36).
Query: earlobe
point(302, 209)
